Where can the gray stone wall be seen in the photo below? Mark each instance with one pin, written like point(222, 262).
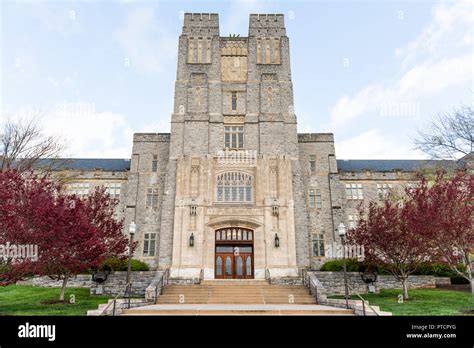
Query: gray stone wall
point(333, 282)
point(80, 281)
point(116, 282)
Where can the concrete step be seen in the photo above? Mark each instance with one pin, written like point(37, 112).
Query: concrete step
point(236, 302)
point(216, 309)
point(235, 292)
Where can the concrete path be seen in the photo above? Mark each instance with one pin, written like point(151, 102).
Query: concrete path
point(239, 309)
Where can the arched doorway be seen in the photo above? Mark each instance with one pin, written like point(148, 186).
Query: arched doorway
point(234, 253)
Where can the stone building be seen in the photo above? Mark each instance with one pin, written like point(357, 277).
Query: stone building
point(233, 191)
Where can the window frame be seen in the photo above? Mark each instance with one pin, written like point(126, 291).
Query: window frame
point(318, 240)
point(354, 191)
point(312, 198)
point(233, 101)
point(113, 189)
point(312, 163)
point(383, 190)
point(353, 220)
point(226, 188)
point(80, 189)
point(149, 244)
point(152, 198)
point(234, 137)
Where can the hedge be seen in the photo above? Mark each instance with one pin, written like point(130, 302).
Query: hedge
point(435, 269)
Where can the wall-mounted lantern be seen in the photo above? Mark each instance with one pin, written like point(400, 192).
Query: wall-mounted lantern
point(275, 210)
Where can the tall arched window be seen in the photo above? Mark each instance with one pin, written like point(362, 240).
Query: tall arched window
point(234, 187)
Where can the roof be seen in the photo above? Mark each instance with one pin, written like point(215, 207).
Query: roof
point(106, 164)
point(390, 165)
point(122, 165)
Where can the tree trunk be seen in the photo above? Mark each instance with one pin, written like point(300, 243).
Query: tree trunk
point(63, 288)
point(405, 289)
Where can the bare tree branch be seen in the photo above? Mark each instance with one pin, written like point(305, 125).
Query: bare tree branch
point(23, 144)
point(450, 135)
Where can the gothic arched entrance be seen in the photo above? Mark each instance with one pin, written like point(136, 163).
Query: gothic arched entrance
point(234, 253)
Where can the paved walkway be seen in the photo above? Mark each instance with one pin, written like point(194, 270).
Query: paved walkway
point(237, 309)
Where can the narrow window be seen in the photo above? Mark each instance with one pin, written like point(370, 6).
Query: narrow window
point(318, 199)
point(312, 163)
point(312, 198)
point(234, 101)
point(154, 164)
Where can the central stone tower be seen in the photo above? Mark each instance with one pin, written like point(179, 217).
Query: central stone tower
point(233, 176)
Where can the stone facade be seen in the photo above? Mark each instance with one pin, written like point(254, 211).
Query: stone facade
point(234, 114)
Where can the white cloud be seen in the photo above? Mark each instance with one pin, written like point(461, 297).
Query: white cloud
point(438, 59)
point(451, 25)
point(426, 79)
point(148, 46)
point(90, 133)
point(56, 17)
point(376, 145)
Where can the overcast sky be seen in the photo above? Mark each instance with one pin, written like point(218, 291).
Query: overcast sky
point(369, 72)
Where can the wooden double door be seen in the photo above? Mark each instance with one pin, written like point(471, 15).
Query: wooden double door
point(234, 253)
point(234, 261)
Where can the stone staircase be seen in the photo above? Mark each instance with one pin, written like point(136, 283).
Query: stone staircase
point(236, 297)
point(235, 292)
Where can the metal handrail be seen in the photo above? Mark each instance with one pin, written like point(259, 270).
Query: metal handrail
point(161, 283)
point(115, 299)
point(364, 301)
point(313, 288)
point(310, 283)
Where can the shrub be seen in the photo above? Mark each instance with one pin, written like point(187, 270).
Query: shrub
point(434, 269)
point(113, 264)
point(352, 265)
point(138, 265)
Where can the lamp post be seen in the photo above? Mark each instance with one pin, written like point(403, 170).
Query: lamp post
point(341, 230)
point(132, 228)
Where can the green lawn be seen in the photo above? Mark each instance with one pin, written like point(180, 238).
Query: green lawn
point(26, 300)
point(424, 302)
